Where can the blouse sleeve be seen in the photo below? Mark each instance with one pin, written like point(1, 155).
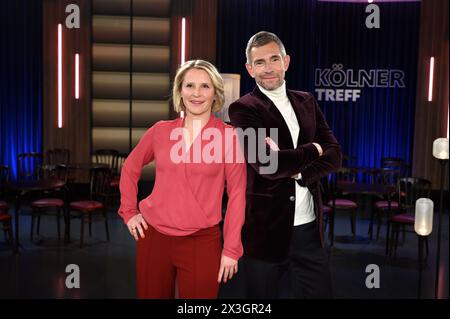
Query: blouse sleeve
point(141, 155)
point(236, 183)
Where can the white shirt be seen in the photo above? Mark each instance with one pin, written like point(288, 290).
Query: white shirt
point(304, 203)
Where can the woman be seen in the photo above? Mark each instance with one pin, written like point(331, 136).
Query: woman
point(177, 226)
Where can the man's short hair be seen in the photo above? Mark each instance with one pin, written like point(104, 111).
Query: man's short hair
point(262, 38)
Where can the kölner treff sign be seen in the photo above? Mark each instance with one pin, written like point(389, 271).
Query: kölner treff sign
point(343, 85)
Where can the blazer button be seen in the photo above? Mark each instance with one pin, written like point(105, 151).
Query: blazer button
point(292, 198)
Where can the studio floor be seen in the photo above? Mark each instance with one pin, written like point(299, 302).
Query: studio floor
point(107, 268)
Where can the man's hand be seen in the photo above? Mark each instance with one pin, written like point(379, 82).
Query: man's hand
point(228, 267)
point(319, 148)
point(273, 146)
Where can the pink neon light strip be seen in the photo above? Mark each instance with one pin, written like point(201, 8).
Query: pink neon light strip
point(430, 80)
point(183, 39)
point(77, 76)
point(60, 76)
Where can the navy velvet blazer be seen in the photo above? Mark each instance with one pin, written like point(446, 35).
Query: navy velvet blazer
point(270, 205)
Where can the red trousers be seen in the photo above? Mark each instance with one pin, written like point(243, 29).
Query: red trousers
point(192, 260)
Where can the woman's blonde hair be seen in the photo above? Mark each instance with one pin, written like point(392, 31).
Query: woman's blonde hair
point(216, 80)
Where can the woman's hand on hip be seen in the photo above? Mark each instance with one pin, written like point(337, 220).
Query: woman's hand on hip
point(136, 226)
point(228, 267)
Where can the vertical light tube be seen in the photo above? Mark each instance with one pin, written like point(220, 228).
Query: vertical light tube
point(183, 48)
point(60, 124)
point(430, 80)
point(183, 39)
point(77, 76)
point(448, 115)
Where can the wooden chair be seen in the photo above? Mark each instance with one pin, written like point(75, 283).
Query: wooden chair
point(397, 168)
point(54, 201)
point(105, 156)
point(84, 210)
point(28, 165)
point(409, 190)
point(116, 170)
point(392, 169)
point(340, 201)
point(58, 156)
point(5, 217)
point(387, 177)
point(326, 211)
point(326, 192)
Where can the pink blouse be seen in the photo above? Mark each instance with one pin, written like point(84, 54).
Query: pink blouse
point(188, 190)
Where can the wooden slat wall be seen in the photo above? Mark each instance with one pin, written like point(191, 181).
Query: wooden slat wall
point(112, 126)
point(201, 32)
point(75, 134)
point(87, 120)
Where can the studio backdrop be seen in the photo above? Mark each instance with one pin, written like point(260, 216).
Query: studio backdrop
point(363, 77)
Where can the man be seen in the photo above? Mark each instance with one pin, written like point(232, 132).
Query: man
point(283, 223)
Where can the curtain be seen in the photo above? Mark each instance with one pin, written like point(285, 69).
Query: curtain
point(20, 80)
point(323, 36)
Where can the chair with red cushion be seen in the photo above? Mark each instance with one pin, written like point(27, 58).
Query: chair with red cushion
point(84, 210)
point(5, 218)
point(119, 159)
point(339, 202)
point(326, 195)
point(380, 209)
point(389, 176)
point(344, 205)
point(6, 221)
point(51, 202)
point(327, 211)
point(410, 189)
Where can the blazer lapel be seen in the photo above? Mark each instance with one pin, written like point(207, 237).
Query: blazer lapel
point(284, 135)
point(301, 115)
